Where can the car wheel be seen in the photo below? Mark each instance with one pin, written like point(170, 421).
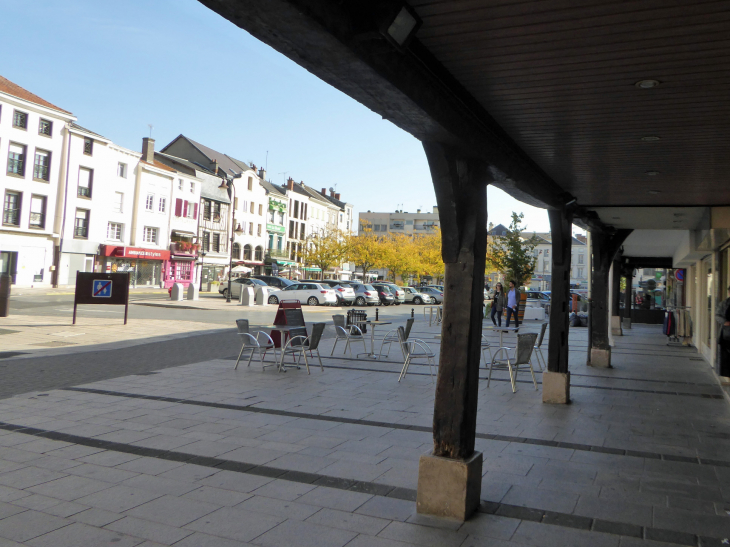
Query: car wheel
point(360, 301)
point(313, 301)
point(417, 300)
point(385, 303)
point(225, 293)
point(273, 300)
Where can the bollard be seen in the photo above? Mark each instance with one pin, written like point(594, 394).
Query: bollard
point(376, 314)
point(5, 282)
point(411, 313)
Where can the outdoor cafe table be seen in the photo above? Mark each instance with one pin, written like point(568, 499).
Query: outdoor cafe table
point(501, 330)
point(283, 329)
point(374, 324)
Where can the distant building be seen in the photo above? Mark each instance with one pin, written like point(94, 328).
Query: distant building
point(400, 222)
point(542, 276)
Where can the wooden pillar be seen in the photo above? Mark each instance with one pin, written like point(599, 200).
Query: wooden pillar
point(604, 247)
point(556, 380)
point(449, 478)
point(629, 275)
point(616, 298)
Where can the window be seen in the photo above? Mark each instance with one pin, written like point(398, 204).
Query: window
point(235, 203)
point(580, 272)
point(114, 231)
point(42, 165)
point(16, 159)
point(261, 210)
point(250, 228)
point(20, 119)
point(86, 180)
point(580, 258)
point(216, 243)
point(253, 207)
point(302, 233)
point(547, 253)
point(245, 206)
point(118, 202)
point(216, 210)
point(236, 251)
point(278, 243)
point(81, 224)
point(292, 230)
point(45, 127)
point(37, 212)
point(161, 207)
point(296, 209)
point(88, 146)
point(272, 216)
point(122, 170)
point(281, 218)
point(250, 183)
point(150, 203)
point(259, 253)
point(247, 252)
point(149, 235)
point(545, 265)
point(180, 184)
point(11, 208)
point(192, 187)
point(190, 209)
point(259, 231)
point(206, 241)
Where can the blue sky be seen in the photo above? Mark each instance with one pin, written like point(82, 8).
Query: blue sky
point(121, 65)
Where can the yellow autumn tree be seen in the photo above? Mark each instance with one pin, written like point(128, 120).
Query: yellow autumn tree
point(325, 249)
point(429, 254)
point(366, 249)
point(400, 256)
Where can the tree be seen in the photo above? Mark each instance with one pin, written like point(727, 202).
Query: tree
point(512, 255)
point(399, 254)
point(325, 249)
point(365, 249)
point(430, 261)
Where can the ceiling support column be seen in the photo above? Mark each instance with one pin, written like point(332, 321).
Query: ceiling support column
point(628, 273)
point(449, 478)
point(556, 380)
point(616, 297)
point(604, 245)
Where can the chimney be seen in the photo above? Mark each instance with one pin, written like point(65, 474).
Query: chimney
point(435, 210)
point(262, 173)
point(215, 166)
point(324, 192)
point(418, 210)
point(337, 196)
point(290, 183)
point(332, 193)
point(148, 150)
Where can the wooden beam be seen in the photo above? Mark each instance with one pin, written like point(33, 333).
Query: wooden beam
point(461, 195)
point(561, 222)
point(616, 288)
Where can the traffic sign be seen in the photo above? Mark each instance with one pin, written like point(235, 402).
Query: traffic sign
point(102, 288)
point(679, 275)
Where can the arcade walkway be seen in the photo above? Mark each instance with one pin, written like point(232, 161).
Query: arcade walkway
point(202, 455)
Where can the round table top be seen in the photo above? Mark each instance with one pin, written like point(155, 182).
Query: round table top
point(379, 322)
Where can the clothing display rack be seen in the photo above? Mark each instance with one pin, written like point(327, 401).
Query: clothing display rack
point(678, 326)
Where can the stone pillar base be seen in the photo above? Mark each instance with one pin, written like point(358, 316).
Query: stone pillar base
point(556, 387)
point(626, 322)
point(600, 358)
point(449, 488)
point(616, 326)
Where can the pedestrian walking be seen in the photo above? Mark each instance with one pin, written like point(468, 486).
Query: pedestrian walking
point(723, 338)
point(499, 302)
point(513, 303)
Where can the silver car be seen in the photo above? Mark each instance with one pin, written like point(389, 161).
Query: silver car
point(435, 294)
point(398, 293)
point(240, 282)
point(414, 297)
point(365, 294)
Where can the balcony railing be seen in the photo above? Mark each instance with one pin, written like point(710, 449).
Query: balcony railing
point(40, 172)
point(277, 253)
point(16, 166)
point(11, 217)
point(183, 247)
point(85, 191)
point(81, 232)
point(37, 220)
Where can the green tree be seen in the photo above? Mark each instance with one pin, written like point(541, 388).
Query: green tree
point(512, 254)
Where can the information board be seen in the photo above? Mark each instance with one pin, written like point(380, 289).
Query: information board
point(102, 289)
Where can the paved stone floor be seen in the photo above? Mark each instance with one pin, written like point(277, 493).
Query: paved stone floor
point(202, 455)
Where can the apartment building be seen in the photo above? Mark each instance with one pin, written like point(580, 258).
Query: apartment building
point(542, 275)
point(400, 222)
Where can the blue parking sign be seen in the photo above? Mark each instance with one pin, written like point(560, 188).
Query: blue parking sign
point(102, 288)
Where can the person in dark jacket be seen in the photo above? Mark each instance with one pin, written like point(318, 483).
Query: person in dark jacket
point(499, 302)
point(513, 303)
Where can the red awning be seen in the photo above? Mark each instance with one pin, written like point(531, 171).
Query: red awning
point(134, 252)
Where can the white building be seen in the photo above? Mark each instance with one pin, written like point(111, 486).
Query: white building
point(33, 145)
point(542, 276)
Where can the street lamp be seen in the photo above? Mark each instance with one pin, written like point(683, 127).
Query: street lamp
point(225, 185)
point(202, 260)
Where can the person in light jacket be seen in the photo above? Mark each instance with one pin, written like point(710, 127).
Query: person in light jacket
point(499, 303)
point(513, 303)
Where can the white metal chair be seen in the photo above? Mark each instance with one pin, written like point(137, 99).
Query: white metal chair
point(522, 356)
point(254, 344)
point(414, 348)
point(299, 345)
point(348, 334)
point(538, 348)
point(392, 337)
point(486, 345)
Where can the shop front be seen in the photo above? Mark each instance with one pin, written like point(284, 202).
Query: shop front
point(147, 266)
point(181, 266)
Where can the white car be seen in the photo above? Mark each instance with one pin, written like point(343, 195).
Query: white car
point(314, 294)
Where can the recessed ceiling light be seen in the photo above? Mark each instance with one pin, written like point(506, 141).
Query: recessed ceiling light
point(653, 192)
point(651, 173)
point(647, 84)
point(650, 138)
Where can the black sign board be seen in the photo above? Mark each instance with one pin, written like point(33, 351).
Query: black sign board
point(102, 288)
point(295, 317)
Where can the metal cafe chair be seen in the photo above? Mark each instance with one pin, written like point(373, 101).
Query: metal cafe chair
point(392, 337)
point(348, 334)
point(414, 349)
point(522, 356)
point(538, 348)
point(486, 346)
point(300, 344)
point(260, 343)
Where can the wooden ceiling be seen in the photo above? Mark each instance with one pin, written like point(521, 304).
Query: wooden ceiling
point(559, 77)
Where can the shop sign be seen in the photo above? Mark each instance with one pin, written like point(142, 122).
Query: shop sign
point(277, 205)
point(275, 228)
point(135, 252)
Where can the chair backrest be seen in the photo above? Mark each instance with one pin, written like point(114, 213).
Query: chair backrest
point(316, 336)
point(409, 324)
point(525, 345)
point(242, 325)
point(403, 341)
point(542, 334)
point(339, 320)
point(299, 331)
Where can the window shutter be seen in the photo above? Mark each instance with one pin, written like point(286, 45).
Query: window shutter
point(178, 207)
point(185, 208)
point(195, 210)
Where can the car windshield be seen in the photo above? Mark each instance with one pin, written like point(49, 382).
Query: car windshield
point(385, 288)
point(255, 281)
point(368, 287)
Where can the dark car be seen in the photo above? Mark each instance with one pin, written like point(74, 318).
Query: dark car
point(345, 294)
point(384, 293)
point(274, 281)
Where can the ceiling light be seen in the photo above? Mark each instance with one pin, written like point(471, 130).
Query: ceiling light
point(401, 25)
point(647, 84)
point(650, 138)
point(653, 192)
point(651, 173)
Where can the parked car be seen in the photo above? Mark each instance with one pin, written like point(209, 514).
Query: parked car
point(384, 294)
point(365, 294)
point(313, 294)
point(238, 283)
point(436, 295)
point(275, 281)
point(582, 301)
point(344, 293)
point(398, 292)
point(537, 299)
point(415, 297)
